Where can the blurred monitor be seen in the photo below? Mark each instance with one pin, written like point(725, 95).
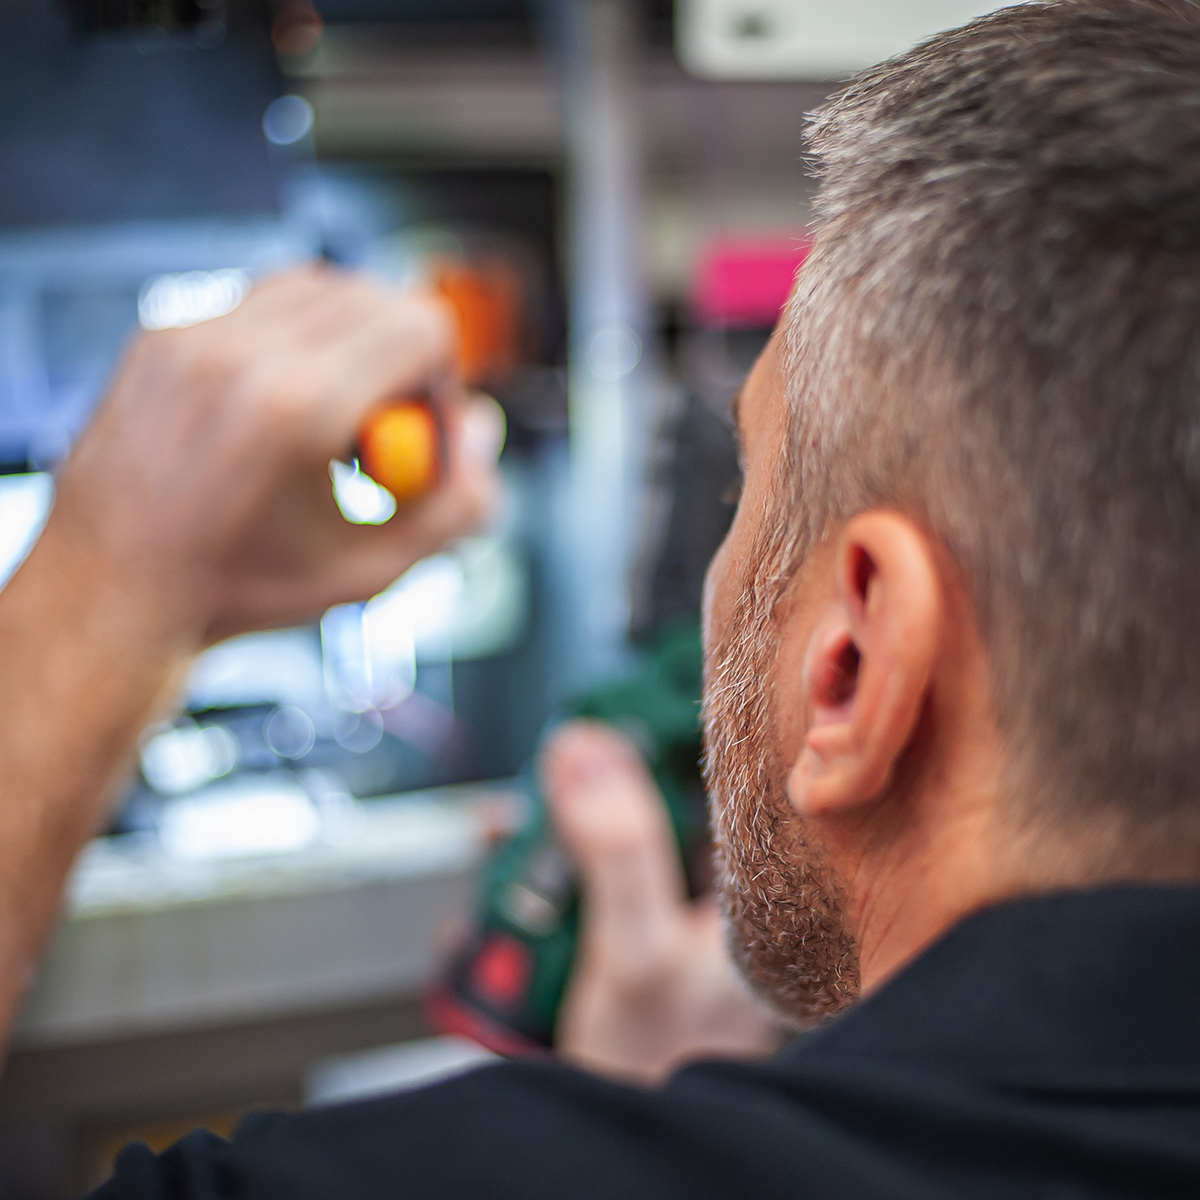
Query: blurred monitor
point(132, 145)
point(106, 122)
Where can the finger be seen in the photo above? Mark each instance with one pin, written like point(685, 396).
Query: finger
point(327, 346)
point(462, 503)
point(278, 295)
point(378, 350)
point(613, 822)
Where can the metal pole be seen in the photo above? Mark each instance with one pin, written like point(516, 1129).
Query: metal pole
point(598, 47)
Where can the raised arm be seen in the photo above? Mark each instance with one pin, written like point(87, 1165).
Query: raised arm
point(198, 505)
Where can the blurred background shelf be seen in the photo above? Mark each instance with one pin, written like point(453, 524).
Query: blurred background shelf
point(152, 942)
point(203, 986)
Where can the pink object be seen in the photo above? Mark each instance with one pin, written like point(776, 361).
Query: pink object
point(746, 282)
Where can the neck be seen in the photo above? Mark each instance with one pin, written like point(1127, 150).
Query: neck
point(905, 903)
point(905, 890)
point(925, 854)
point(936, 845)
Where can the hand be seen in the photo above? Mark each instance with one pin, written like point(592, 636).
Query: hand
point(206, 470)
point(654, 985)
point(196, 505)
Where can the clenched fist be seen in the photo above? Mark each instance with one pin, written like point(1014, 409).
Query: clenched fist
point(207, 464)
point(196, 505)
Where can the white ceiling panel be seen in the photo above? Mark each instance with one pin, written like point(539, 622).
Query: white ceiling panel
point(807, 39)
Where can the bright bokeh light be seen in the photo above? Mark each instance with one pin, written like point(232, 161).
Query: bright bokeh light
point(290, 732)
point(613, 352)
point(358, 731)
point(247, 817)
point(361, 499)
point(182, 759)
point(422, 603)
point(371, 648)
point(278, 666)
point(471, 602)
point(287, 120)
point(174, 301)
point(25, 502)
point(369, 664)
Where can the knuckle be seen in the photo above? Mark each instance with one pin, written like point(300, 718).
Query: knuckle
point(360, 284)
point(143, 352)
point(190, 361)
point(280, 396)
point(213, 363)
point(261, 303)
point(304, 276)
point(154, 344)
point(429, 319)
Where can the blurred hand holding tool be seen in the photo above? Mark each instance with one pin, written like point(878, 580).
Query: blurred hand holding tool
point(400, 446)
point(195, 506)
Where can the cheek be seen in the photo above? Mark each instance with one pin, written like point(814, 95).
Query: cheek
point(790, 712)
point(811, 607)
point(723, 604)
point(718, 600)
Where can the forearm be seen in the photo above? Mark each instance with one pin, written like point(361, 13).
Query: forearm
point(86, 659)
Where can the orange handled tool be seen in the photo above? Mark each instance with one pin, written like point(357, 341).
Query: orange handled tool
point(400, 447)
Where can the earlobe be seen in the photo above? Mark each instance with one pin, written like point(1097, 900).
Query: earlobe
point(868, 664)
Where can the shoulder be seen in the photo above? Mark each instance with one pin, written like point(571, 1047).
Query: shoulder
point(517, 1129)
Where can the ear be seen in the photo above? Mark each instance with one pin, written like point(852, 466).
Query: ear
point(868, 663)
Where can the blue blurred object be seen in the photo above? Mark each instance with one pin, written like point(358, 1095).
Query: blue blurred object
point(127, 153)
point(132, 125)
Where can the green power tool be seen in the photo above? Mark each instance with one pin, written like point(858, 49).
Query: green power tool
point(505, 988)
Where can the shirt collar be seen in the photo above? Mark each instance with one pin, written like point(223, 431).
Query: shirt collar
point(1101, 985)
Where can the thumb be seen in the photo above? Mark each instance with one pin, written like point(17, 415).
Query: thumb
point(611, 818)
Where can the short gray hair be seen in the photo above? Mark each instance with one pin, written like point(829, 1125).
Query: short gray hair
point(998, 332)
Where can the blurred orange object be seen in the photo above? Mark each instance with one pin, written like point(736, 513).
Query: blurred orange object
point(400, 448)
point(486, 297)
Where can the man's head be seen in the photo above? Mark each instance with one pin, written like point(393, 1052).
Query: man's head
point(952, 634)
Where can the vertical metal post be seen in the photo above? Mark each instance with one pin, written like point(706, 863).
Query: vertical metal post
point(598, 48)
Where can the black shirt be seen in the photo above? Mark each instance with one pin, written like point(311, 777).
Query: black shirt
point(1048, 1047)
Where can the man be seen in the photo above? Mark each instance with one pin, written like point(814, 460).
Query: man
point(952, 697)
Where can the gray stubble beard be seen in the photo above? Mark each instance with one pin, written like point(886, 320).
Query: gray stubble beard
point(786, 927)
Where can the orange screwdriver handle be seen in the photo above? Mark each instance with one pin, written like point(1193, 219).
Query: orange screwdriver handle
point(400, 448)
